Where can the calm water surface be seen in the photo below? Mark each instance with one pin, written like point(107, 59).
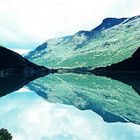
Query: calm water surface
point(28, 116)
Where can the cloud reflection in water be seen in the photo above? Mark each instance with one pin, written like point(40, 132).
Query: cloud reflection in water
point(28, 116)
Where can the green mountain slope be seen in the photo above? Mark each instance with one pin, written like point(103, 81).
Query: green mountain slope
point(111, 42)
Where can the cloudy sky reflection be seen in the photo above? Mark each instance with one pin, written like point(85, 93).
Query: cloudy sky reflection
point(28, 116)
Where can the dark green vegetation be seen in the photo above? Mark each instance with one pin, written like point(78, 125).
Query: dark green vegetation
point(5, 135)
point(129, 66)
point(16, 71)
point(111, 42)
point(16, 64)
point(127, 71)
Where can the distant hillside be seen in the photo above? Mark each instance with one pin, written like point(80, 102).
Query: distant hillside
point(112, 41)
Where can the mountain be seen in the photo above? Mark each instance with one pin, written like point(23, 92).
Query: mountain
point(114, 44)
point(130, 65)
point(16, 71)
point(114, 101)
point(114, 40)
point(126, 71)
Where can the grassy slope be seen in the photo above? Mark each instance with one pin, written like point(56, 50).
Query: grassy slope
point(109, 46)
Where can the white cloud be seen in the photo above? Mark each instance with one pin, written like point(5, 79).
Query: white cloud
point(29, 117)
point(22, 51)
point(30, 22)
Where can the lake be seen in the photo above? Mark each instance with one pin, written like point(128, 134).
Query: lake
point(72, 107)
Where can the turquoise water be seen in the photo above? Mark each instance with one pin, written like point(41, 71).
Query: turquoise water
point(28, 116)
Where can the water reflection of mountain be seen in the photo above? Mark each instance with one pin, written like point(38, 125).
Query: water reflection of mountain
point(111, 99)
point(8, 85)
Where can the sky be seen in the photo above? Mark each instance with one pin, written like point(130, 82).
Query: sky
point(27, 116)
point(28, 23)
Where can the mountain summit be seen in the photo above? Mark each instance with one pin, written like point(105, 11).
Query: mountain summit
point(114, 40)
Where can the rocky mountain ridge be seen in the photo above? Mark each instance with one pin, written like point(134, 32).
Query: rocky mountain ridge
point(114, 40)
